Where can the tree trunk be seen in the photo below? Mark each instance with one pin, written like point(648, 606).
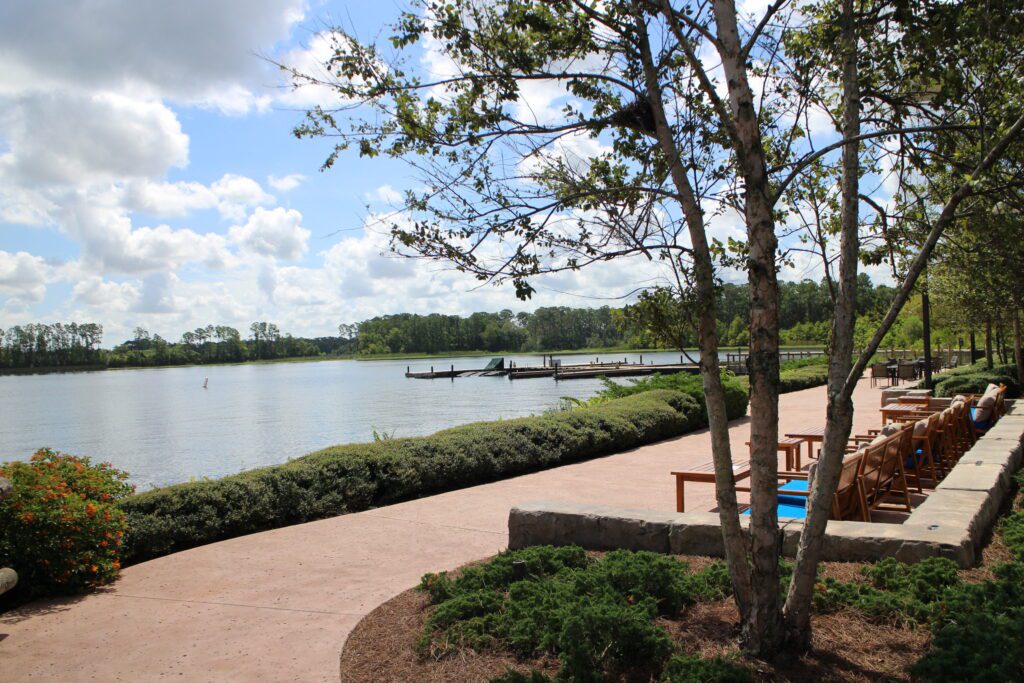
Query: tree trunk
point(733, 536)
point(988, 343)
point(974, 348)
point(761, 633)
point(926, 320)
point(1017, 341)
point(839, 408)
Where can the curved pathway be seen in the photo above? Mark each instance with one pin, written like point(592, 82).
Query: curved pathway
point(278, 605)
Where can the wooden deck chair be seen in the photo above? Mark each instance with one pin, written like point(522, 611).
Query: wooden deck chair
point(879, 371)
point(988, 409)
point(882, 474)
point(848, 501)
point(925, 446)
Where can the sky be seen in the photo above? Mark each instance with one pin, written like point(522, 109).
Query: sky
point(149, 177)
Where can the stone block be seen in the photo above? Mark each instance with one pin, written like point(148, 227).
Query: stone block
point(870, 542)
point(990, 478)
point(958, 511)
point(1007, 453)
point(595, 527)
point(698, 533)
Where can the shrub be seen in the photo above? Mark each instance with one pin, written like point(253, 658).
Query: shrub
point(60, 528)
point(895, 592)
point(692, 385)
point(972, 379)
point(689, 669)
point(355, 477)
point(1013, 534)
point(979, 631)
point(596, 616)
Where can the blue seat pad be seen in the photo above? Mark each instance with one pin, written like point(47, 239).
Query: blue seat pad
point(788, 511)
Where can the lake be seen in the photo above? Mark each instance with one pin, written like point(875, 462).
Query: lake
point(162, 427)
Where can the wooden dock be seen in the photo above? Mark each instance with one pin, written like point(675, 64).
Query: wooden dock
point(557, 370)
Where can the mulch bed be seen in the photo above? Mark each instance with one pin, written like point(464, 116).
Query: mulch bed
point(846, 646)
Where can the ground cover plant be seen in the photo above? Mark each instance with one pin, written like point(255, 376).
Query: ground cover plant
point(60, 527)
point(542, 614)
point(597, 616)
point(354, 477)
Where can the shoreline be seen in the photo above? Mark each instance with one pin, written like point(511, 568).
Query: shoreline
point(13, 372)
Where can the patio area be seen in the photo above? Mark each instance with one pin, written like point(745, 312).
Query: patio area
point(279, 605)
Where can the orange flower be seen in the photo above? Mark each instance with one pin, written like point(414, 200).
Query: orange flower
point(94, 569)
point(117, 565)
point(90, 509)
point(27, 517)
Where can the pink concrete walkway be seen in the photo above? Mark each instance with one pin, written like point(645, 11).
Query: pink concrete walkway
point(278, 605)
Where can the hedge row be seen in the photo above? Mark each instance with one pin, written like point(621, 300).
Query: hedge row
point(356, 477)
point(972, 379)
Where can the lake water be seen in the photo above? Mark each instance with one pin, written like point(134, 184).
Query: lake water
point(162, 427)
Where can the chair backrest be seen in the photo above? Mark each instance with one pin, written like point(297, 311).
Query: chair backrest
point(879, 370)
point(906, 371)
point(848, 501)
point(883, 463)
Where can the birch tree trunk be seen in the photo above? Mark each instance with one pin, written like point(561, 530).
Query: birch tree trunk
point(707, 330)
point(761, 632)
point(839, 408)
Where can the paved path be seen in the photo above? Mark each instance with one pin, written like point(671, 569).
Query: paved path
point(278, 605)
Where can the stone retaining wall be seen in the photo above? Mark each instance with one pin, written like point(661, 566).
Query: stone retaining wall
point(952, 522)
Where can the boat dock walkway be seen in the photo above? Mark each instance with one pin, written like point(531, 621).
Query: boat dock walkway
point(558, 370)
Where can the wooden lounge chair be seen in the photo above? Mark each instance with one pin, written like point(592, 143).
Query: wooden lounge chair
point(848, 502)
point(882, 475)
point(988, 409)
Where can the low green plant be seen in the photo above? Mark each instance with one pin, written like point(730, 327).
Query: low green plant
point(893, 591)
point(978, 631)
point(597, 616)
point(355, 477)
point(691, 669)
point(60, 527)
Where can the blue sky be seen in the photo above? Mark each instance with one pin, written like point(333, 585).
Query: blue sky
point(148, 176)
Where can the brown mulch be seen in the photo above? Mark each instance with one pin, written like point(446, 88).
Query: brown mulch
point(846, 647)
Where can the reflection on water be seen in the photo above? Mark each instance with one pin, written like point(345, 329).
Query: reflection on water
point(162, 427)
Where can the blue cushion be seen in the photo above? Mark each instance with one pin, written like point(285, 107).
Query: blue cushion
point(795, 485)
point(792, 511)
point(790, 507)
point(980, 424)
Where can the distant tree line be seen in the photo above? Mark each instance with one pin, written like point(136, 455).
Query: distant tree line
point(806, 310)
point(78, 345)
point(56, 345)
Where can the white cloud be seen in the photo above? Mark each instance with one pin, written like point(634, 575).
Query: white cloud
point(285, 183)
point(106, 295)
point(132, 46)
point(386, 195)
point(277, 233)
point(73, 139)
point(23, 276)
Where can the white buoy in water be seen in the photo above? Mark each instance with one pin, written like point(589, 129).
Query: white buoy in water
point(205, 382)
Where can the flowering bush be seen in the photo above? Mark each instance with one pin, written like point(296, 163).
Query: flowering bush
point(60, 528)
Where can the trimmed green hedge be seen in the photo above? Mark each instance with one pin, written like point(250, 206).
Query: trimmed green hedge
point(355, 477)
point(972, 379)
